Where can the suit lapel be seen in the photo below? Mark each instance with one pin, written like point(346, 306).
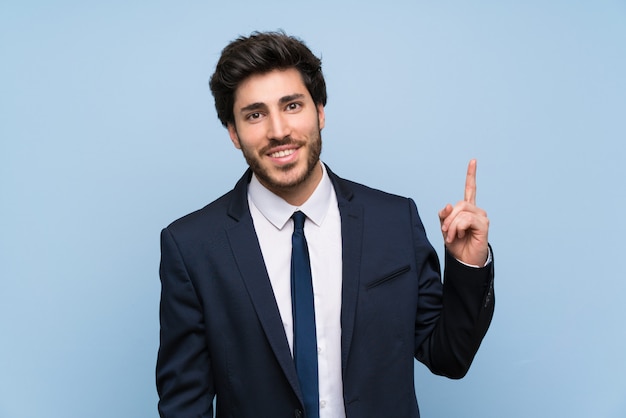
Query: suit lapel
point(352, 237)
point(247, 252)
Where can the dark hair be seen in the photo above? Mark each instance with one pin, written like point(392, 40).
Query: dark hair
point(260, 53)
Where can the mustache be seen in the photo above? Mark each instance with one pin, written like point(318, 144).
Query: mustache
point(280, 143)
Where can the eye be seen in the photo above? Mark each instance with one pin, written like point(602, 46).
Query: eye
point(293, 106)
point(253, 116)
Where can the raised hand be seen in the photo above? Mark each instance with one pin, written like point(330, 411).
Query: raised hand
point(465, 227)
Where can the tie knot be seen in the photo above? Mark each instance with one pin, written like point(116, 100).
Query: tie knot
point(298, 220)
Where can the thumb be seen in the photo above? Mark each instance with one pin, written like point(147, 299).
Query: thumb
point(444, 213)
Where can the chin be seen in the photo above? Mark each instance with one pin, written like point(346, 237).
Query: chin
point(285, 178)
point(288, 182)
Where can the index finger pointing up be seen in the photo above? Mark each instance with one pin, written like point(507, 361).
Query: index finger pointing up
point(470, 183)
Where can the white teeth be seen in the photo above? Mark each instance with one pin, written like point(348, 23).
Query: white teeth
point(280, 154)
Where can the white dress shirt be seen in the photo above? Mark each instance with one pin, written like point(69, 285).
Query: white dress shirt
point(273, 224)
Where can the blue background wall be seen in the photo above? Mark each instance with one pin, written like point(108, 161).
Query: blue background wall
point(108, 133)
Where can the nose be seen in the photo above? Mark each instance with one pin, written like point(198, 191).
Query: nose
point(279, 127)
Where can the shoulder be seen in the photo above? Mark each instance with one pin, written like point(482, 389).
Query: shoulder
point(359, 193)
point(376, 204)
point(222, 213)
point(208, 214)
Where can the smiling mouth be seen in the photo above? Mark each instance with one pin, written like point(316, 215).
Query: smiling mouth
point(283, 153)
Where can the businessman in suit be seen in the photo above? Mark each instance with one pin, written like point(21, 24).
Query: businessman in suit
point(231, 329)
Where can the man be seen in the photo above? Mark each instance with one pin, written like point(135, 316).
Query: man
point(238, 274)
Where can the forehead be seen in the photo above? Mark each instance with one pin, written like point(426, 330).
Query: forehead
point(269, 87)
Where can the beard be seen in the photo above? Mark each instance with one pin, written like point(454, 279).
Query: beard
point(272, 180)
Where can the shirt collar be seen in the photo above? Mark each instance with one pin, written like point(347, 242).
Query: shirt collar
point(276, 210)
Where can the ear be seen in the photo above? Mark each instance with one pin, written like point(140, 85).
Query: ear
point(321, 117)
point(232, 132)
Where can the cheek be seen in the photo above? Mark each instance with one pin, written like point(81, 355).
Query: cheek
point(249, 138)
point(306, 126)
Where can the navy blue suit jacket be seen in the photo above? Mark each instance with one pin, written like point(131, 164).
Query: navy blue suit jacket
point(222, 335)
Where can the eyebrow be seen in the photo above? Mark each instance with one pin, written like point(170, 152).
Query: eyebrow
point(290, 98)
point(252, 106)
point(261, 105)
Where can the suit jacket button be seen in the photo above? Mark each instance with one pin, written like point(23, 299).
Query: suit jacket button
point(297, 413)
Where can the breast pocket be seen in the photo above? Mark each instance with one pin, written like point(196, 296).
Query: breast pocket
point(394, 274)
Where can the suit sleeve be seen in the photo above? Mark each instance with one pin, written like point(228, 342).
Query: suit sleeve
point(183, 371)
point(452, 318)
